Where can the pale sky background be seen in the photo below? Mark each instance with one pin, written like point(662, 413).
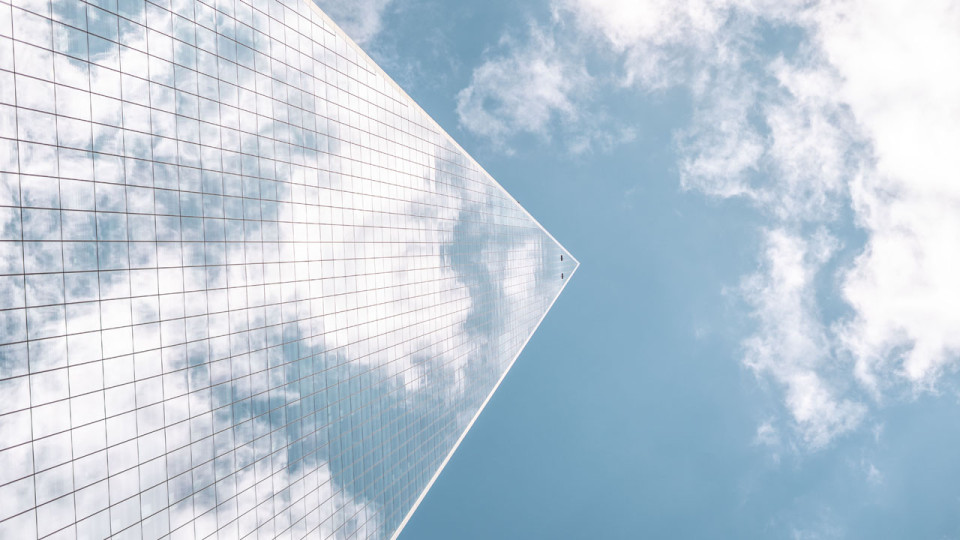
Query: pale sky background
point(763, 338)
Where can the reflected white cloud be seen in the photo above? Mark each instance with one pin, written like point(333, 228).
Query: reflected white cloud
point(280, 303)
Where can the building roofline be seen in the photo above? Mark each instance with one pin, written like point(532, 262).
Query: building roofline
point(463, 435)
point(376, 67)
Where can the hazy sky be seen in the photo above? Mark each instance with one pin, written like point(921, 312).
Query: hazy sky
point(763, 337)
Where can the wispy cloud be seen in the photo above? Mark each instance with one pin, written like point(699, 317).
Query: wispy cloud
point(874, 476)
point(791, 345)
point(903, 287)
point(537, 84)
point(830, 128)
point(522, 90)
point(855, 126)
point(663, 42)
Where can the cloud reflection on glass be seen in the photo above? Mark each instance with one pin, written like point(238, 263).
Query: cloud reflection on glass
point(246, 284)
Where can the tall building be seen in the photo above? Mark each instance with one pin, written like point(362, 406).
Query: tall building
point(248, 288)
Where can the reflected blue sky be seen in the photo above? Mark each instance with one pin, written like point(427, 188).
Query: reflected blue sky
point(250, 286)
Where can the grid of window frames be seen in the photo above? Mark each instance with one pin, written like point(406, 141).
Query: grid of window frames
point(248, 289)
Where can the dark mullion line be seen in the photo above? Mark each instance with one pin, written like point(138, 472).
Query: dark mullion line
point(33, 460)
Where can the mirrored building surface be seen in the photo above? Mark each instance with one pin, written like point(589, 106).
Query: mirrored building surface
point(248, 289)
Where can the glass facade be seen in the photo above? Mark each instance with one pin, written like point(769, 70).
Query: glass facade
point(248, 288)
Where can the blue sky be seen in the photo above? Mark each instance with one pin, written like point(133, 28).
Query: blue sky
point(762, 339)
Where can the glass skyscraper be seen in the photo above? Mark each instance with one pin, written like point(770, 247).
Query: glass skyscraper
point(248, 288)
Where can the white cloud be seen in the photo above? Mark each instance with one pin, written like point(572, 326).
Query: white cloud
point(864, 116)
point(362, 20)
point(900, 80)
point(599, 139)
point(768, 436)
point(864, 119)
point(523, 91)
point(721, 150)
point(856, 127)
point(868, 122)
point(661, 39)
point(874, 476)
point(810, 142)
point(792, 345)
point(769, 130)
